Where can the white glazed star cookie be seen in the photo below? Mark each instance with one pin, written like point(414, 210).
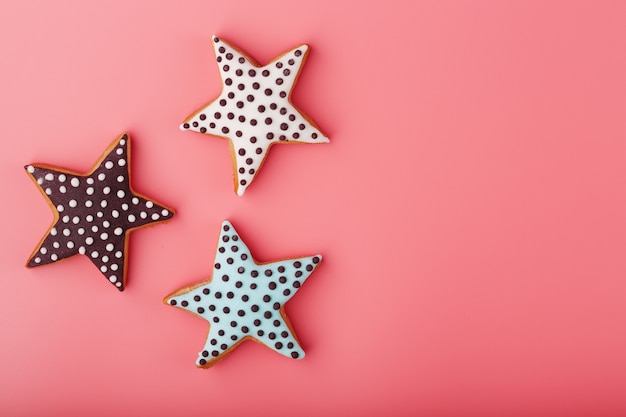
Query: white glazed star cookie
point(254, 110)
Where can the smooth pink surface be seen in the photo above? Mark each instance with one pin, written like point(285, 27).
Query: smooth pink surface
point(471, 208)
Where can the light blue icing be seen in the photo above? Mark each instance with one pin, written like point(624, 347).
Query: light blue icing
point(229, 300)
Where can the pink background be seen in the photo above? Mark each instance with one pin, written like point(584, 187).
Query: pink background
point(471, 208)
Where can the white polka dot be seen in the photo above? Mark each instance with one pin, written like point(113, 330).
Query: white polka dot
point(89, 218)
point(106, 190)
point(81, 231)
point(112, 278)
point(121, 194)
point(155, 216)
point(108, 164)
point(30, 169)
point(165, 212)
point(106, 223)
point(65, 219)
point(72, 203)
point(75, 182)
point(81, 250)
point(110, 247)
point(37, 260)
point(118, 254)
point(66, 232)
point(149, 204)
point(123, 142)
point(120, 178)
point(70, 244)
point(76, 220)
point(104, 236)
point(131, 218)
point(88, 203)
point(135, 200)
point(103, 204)
point(105, 258)
point(115, 214)
point(124, 206)
point(49, 177)
point(118, 231)
point(53, 231)
point(56, 245)
point(48, 191)
point(114, 267)
point(101, 176)
point(94, 228)
point(119, 151)
point(89, 240)
point(94, 254)
point(60, 208)
point(89, 191)
point(99, 214)
point(62, 189)
point(90, 181)
point(62, 178)
point(54, 257)
point(43, 251)
point(103, 268)
point(118, 284)
point(121, 162)
point(143, 214)
point(39, 181)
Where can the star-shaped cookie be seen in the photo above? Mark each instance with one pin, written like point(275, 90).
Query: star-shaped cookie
point(245, 300)
point(254, 110)
point(94, 212)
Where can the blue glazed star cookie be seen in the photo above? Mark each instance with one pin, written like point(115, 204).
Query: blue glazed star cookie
point(94, 213)
point(245, 300)
point(254, 110)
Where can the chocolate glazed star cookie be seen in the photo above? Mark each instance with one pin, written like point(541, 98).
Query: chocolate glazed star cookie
point(254, 110)
point(94, 212)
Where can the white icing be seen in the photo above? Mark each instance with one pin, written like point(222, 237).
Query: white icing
point(251, 142)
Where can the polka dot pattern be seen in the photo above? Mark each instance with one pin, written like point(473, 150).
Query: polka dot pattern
point(94, 213)
point(245, 299)
point(254, 110)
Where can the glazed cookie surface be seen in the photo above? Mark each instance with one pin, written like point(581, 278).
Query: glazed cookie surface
point(254, 110)
point(245, 299)
point(94, 212)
